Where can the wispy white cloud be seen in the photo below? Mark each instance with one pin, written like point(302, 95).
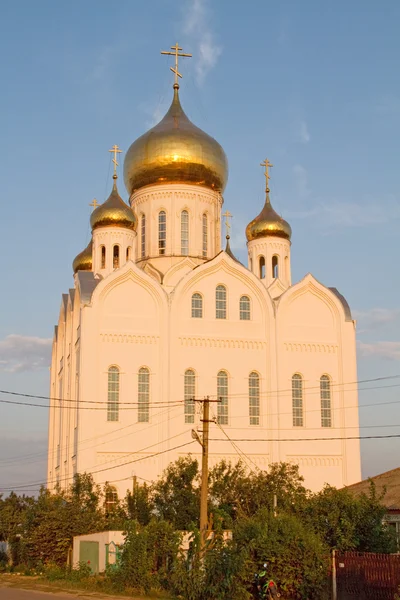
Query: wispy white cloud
point(301, 180)
point(376, 317)
point(197, 19)
point(347, 214)
point(388, 350)
point(304, 134)
point(23, 353)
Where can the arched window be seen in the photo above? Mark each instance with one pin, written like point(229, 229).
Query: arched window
point(162, 232)
point(244, 308)
point(254, 398)
point(197, 306)
point(113, 394)
point(220, 302)
point(222, 397)
point(205, 235)
point(287, 267)
point(102, 257)
point(275, 268)
point(325, 393)
point(189, 395)
point(116, 257)
point(297, 400)
point(184, 232)
point(251, 263)
point(144, 395)
point(262, 267)
point(128, 253)
point(143, 236)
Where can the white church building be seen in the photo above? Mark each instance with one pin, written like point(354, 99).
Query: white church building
point(162, 314)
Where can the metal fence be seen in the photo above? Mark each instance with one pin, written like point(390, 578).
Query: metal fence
point(367, 576)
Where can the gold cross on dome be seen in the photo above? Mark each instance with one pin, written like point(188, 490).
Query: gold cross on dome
point(115, 150)
point(95, 204)
point(227, 216)
point(177, 52)
point(266, 164)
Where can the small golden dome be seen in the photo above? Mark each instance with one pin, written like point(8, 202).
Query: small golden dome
point(84, 262)
point(113, 212)
point(268, 223)
point(175, 151)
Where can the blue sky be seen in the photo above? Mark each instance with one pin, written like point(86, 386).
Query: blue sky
point(314, 86)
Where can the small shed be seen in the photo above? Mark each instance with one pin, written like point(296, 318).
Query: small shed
point(98, 550)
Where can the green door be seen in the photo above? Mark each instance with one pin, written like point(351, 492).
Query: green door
point(89, 554)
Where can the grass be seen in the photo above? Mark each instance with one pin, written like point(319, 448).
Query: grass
point(90, 588)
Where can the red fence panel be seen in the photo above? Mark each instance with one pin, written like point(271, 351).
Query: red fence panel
point(367, 576)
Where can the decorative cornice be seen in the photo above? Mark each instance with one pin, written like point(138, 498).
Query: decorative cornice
point(222, 343)
point(311, 347)
point(207, 196)
point(315, 461)
point(126, 338)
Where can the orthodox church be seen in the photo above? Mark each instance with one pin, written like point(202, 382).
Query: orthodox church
point(161, 316)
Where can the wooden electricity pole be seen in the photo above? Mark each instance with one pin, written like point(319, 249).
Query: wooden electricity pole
point(203, 441)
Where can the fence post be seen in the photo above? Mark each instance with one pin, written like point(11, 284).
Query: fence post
point(334, 583)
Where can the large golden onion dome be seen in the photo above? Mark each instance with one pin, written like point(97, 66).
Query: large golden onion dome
point(268, 223)
point(175, 151)
point(113, 212)
point(84, 260)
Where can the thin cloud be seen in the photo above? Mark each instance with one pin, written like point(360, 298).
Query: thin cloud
point(376, 317)
point(196, 25)
point(301, 180)
point(20, 353)
point(387, 350)
point(304, 134)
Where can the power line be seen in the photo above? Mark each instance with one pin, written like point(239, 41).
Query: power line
point(316, 439)
point(132, 405)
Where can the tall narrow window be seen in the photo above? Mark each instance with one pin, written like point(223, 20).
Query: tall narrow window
point(143, 236)
point(205, 235)
point(189, 393)
point(220, 302)
point(297, 400)
point(162, 232)
point(197, 306)
point(103, 257)
point(275, 268)
point(326, 409)
point(244, 308)
point(144, 395)
point(128, 253)
point(185, 232)
point(262, 267)
point(113, 394)
point(222, 397)
point(116, 257)
point(254, 398)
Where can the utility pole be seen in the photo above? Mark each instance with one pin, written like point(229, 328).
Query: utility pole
point(203, 441)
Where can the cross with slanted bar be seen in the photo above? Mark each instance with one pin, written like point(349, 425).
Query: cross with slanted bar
point(95, 204)
point(176, 53)
point(227, 216)
point(115, 150)
point(266, 164)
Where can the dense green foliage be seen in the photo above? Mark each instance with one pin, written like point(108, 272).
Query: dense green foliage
point(271, 515)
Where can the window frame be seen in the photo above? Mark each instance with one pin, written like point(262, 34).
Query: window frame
point(297, 400)
point(162, 233)
point(261, 267)
point(113, 395)
point(221, 309)
point(245, 313)
point(142, 235)
point(223, 397)
point(326, 411)
point(204, 236)
point(116, 256)
point(185, 232)
point(199, 298)
point(254, 398)
point(103, 256)
point(189, 394)
point(143, 391)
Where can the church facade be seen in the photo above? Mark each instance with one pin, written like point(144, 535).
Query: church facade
point(161, 316)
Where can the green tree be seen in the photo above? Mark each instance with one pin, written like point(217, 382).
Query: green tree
point(175, 496)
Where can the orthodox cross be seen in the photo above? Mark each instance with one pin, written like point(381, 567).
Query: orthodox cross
point(227, 216)
point(176, 53)
point(115, 150)
point(266, 164)
point(95, 204)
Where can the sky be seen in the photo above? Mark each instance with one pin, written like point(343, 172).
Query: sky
point(313, 86)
